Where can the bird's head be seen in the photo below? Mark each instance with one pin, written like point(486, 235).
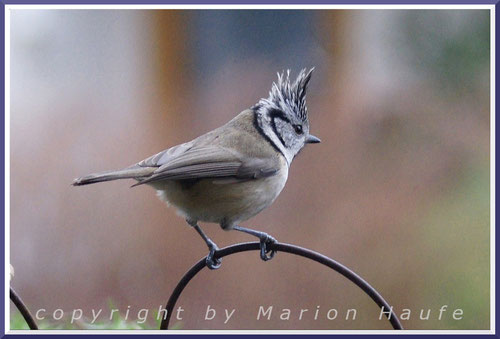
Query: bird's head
point(283, 118)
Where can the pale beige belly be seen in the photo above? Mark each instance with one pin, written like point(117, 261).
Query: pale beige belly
point(228, 204)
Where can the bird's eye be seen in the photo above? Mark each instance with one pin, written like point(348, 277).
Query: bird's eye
point(298, 129)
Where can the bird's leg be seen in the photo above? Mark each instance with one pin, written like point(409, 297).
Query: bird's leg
point(265, 240)
point(212, 263)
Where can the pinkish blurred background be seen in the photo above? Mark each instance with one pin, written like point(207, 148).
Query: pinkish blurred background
point(398, 190)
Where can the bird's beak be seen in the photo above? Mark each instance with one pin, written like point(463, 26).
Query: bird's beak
point(311, 139)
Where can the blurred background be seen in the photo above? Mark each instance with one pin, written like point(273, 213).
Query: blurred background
point(398, 190)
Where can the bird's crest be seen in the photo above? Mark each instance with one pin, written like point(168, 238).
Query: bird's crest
point(288, 96)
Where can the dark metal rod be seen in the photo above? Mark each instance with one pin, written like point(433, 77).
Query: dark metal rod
point(16, 299)
point(287, 248)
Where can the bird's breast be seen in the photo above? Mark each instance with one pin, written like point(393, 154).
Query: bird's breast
point(227, 201)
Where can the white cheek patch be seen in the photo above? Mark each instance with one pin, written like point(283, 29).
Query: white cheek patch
point(264, 121)
point(281, 129)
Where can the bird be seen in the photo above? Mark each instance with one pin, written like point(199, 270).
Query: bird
point(233, 172)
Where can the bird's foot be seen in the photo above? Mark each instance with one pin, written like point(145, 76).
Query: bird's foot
point(212, 262)
point(266, 240)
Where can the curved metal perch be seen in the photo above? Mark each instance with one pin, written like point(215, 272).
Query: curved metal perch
point(287, 248)
point(14, 297)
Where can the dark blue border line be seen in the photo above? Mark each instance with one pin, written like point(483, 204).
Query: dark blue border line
point(249, 336)
point(2, 167)
point(251, 2)
point(497, 235)
point(298, 336)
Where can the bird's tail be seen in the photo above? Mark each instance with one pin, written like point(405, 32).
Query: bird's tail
point(135, 172)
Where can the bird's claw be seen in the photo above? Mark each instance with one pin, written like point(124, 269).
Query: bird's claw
point(213, 263)
point(266, 240)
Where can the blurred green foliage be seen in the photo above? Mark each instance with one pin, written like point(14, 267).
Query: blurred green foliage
point(466, 213)
point(444, 49)
point(17, 322)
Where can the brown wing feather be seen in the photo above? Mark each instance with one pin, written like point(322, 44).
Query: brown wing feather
point(206, 162)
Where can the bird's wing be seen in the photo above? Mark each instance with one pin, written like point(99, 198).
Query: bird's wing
point(164, 156)
point(188, 161)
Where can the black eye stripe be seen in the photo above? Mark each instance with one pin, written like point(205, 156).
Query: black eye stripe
point(276, 113)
